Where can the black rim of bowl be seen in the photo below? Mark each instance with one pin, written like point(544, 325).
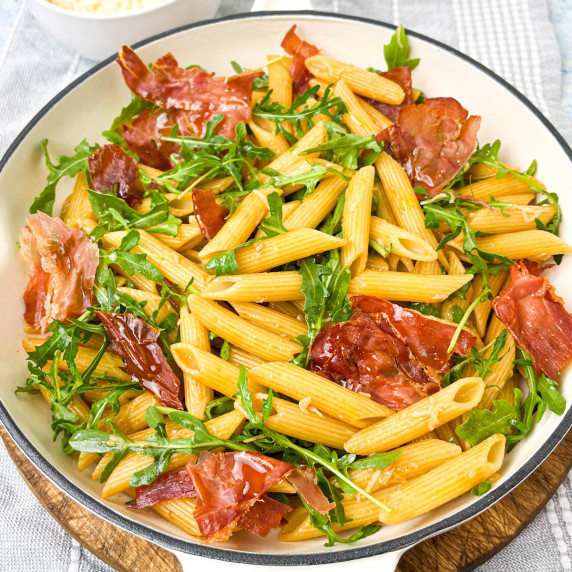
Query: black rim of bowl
point(327, 555)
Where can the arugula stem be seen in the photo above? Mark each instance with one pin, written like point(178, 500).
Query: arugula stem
point(480, 298)
point(330, 467)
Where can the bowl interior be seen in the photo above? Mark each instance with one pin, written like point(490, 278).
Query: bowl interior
point(103, 16)
point(90, 107)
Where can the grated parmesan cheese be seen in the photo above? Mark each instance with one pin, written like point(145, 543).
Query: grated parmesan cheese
point(105, 6)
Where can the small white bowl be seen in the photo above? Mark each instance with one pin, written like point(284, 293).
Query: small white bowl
point(98, 36)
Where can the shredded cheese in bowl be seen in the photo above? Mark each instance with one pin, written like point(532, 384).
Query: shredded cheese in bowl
point(105, 6)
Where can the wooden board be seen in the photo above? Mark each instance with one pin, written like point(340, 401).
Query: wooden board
point(461, 549)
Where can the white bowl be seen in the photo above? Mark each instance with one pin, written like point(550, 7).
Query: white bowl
point(89, 105)
point(98, 36)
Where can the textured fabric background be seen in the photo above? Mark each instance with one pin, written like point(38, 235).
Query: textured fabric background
point(513, 37)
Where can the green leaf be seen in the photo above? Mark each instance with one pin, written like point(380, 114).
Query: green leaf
point(218, 406)
point(299, 111)
point(377, 460)
point(397, 51)
point(482, 488)
point(272, 225)
point(345, 148)
point(457, 313)
point(154, 418)
point(483, 423)
point(426, 309)
point(131, 262)
point(333, 223)
point(548, 390)
point(135, 107)
point(94, 441)
point(115, 214)
point(258, 83)
point(64, 166)
point(246, 397)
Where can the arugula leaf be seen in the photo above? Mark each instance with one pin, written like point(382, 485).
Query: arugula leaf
point(135, 107)
point(479, 359)
point(547, 389)
point(218, 406)
point(377, 460)
point(225, 262)
point(211, 155)
point(333, 222)
point(346, 148)
point(272, 225)
point(482, 488)
point(158, 446)
point(258, 83)
point(324, 287)
point(426, 309)
point(457, 313)
point(309, 179)
point(65, 166)
point(114, 213)
point(128, 261)
point(483, 423)
point(397, 51)
point(380, 249)
point(332, 107)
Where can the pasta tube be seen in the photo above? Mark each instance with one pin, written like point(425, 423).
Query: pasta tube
point(419, 418)
point(337, 401)
point(241, 332)
point(356, 220)
point(407, 287)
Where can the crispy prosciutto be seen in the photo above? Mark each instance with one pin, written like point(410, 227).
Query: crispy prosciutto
point(167, 486)
point(299, 50)
point(112, 170)
point(305, 482)
point(228, 485)
point(62, 262)
point(402, 77)
point(136, 342)
point(537, 319)
point(196, 95)
point(264, 515)
point(391, 353)
point(143, 136)
point(210, 215)
point(432, 141)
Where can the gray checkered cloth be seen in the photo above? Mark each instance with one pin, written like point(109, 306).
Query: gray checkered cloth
point(513, 37)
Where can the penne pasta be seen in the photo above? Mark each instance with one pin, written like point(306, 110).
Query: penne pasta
point(284, 248)
point(271, 320)
point(240, 332)
point(401, 242)
point(77, 208)
point(193, 333)
point(414, 498)
point(238, 357)
point(360, 81)
point(315, 207)
point(407, 287)
point(419, 418)
point(210, 370)
point(174, 266)
point(328, 397)
point(240, 225)
point(263, 287)
point(531, 244)
point(510, 219)
point(356, 221)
